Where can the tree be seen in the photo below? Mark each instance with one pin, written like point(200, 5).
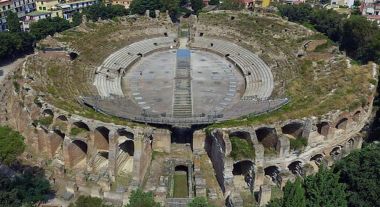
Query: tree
point(294, 194)
point(141, 199)
point(11, 145)
point(360, 171)
point(324, 189)
point(196, 5)
point(49, 26)
point(276, 203)
point(140, 6)
point(26, 188)
point(214, 2)
point(88, 201)
point(77, 19)
point(13, 22)
point(199, 202)
point(232, 5)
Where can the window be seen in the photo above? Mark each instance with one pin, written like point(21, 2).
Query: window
point(39, 8)
point(44, 8)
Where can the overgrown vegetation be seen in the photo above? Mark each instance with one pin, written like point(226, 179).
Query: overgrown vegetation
point(199, 202)
point(298, 143)
point(45, 121)
point(317, 83)
point(348, 32)
point(11, 145)
point(76, 130)
point(141, 199)
point(88, 201)
point(241, 149)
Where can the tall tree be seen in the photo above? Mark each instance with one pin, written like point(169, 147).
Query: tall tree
point(324, 189)
point(196, 5)
point(360, 171)
point(294, 194)
point(13, 22)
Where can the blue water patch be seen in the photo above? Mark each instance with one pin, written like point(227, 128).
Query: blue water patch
point(183, 53)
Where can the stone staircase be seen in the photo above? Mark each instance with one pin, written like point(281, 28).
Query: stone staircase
point(182, 104)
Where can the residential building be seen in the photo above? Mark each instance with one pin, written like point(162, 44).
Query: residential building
point(125, 3)
point(371, 10)
point(21, 7)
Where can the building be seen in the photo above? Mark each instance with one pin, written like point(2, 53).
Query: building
point(34, 16)
point(21, 7)
point(62, 9)
point(371, 10)
point(125, 3)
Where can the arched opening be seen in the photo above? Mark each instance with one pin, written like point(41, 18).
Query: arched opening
point(79, 129)
point(101, 138)
point(226, 55)
point(201, 34)
point(124, 158)
point(267, 137)
point(296, 168)
point(336, 153)
point(241, 135)
point(182, 135)
point(323, 128)
point(244, 173)
point(294, 129)
point(342, 124)
point(242, 146)
point(62, 118)
point(139, 54)
point(155, 44)
point(181, 185)
point(232, 18)
point(73, 55)
point(100, 162)
point(318, 159)
point(125, 135)
point(77, 153)
point(356, 116)
point(48, 112)
point(212, 44)
point(165, 34)
point(274, 173)
point(350, 145)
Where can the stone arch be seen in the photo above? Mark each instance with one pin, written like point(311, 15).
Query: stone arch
point(56, 140)
point(350, 145)
point(267, 136)
point(48, 112)
point(124, 135)
point(296, 168)
point(342, 123)
point(62, 118)
point(81, 125)
point(128, 147)
point(336, 152)
point(356, 116)
point(294, 129)
point(77, 151)
point(100, 161)
point(244, 172)
point(274, 173)
point(323, 128)
point(318, 159)
point(101, 138)
point(241, 134)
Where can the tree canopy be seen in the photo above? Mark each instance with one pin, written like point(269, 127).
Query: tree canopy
point(199, 202)
point(196, 5)
point(232, 5)
point(140, 6)
point(356, 35)
point(360, 172)
point(88, 201)
point(48, 26)
point(103, 11)
point(13, 22)
point(11, 144)
point(26, 188)
point(139, 198)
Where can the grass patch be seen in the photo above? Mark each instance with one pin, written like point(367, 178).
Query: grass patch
point(181, 189)
point(298, 143)
point(76, 130)
point(241, 149)
point(270, 151)
point(45, 121)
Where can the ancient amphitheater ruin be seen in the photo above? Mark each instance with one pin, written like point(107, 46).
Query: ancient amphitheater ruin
point(109, 107)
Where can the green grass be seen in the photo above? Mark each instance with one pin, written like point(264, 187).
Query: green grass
point(75, 131)
point(241, 149)
point(181, 189)
point(298, 144)
point(45, 121)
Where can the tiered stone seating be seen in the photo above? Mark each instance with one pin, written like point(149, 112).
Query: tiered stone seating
point(258, 76)
point(108, 77)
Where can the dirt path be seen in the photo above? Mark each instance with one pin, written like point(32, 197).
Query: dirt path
point(6, 69)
